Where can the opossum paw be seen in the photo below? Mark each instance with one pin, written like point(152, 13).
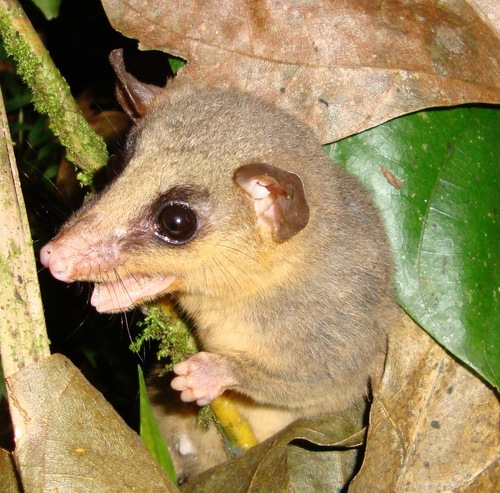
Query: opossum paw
point(203, 377)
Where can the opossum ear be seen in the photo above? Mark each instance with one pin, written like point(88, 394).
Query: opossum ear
point(278, 198)
point(133, 95)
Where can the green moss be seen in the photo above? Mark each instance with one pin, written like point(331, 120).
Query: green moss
point(176, 342)
point(84, 178)
point(5, 271)
point(51, 94)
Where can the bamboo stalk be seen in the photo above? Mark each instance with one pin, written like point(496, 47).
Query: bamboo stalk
point(23, 336)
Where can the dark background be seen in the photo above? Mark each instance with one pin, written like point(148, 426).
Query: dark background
point(79, 41)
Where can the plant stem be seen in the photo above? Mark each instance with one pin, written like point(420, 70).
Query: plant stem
point(234, 426)
point(23, 337)
point(51, 94)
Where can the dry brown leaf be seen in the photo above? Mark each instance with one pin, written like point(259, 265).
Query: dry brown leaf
point(342, 66)
point(288, 461)
point(75, 440)
point(391, 179)
point(110, 124)
point(489, 11)
point(433, 426)
point(8, 480)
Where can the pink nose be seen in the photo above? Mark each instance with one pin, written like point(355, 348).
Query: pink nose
point(59, 267)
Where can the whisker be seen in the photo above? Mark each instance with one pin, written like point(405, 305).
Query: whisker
point(120, 140)
point(243, 271)
point(243, 253)
point(216, 282)
point(125, 323)
point(120, 280)
point(224, 274)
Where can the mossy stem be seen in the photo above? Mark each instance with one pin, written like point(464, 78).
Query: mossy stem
point(51, 93)
point(23, 336)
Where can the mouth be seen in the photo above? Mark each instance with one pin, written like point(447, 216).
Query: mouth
point(124, 293)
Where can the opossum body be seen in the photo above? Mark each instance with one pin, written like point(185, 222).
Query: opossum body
point(277, 255)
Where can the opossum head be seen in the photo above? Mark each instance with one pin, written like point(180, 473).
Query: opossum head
point(210, 189)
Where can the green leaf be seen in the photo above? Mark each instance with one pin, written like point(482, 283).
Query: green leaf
point(175, 64)
point(150, 433)
point(442, 223)
point(18, 102)
point(49, 8)
point(39, 133)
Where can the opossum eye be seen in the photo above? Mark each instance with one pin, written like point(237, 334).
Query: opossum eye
point(177, 223)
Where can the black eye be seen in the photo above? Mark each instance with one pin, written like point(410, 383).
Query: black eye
point(177, 223)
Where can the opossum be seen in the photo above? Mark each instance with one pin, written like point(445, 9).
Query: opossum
point(277, 254)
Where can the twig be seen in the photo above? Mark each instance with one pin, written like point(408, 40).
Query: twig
point(51, 94)
point(178, 343)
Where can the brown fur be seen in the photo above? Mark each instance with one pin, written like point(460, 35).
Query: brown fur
point(300, 323)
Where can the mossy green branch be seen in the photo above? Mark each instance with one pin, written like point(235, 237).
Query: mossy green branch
point(51, 94)
point(176, 343)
